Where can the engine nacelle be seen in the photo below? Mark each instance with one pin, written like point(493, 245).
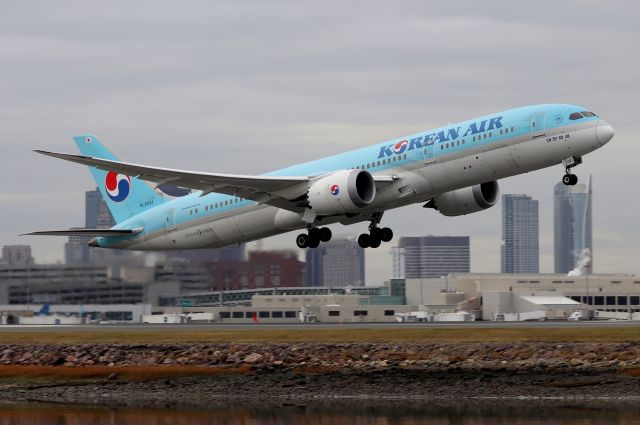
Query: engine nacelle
point(342, 192)
point(467, 200)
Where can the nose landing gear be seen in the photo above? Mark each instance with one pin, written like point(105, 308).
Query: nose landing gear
point(314, 237)
point(570, 179)
point(376, 235)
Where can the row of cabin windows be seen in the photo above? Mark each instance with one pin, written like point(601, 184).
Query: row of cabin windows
point(382, 162)
point(477, 138)
point(216, 205)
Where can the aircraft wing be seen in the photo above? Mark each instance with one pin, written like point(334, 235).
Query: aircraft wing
point(87, 232)
point(272, 190)
point(279, 191)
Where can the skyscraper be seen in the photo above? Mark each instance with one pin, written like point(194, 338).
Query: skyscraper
point(430, 256)
point(97, 216)
point(339, 262)
point(520, 232)
point(572, 226)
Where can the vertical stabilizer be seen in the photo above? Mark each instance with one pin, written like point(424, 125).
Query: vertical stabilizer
point(125, 195)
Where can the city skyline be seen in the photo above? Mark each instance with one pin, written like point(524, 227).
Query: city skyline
point(178, 106)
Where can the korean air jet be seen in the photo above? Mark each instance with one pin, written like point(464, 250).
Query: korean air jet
point(453, 169)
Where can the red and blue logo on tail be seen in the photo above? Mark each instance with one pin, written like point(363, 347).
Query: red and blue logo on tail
point(118, 186)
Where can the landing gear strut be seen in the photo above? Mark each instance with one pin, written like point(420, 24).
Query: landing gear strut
point(314, 237)
point(376, 235)
point(570, 179)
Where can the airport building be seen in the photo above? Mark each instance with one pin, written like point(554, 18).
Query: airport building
point(558, 295)
point(430, 256)
point(519, 251)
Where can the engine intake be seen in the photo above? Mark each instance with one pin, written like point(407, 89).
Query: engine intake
point(467, 200)
point(342, 192)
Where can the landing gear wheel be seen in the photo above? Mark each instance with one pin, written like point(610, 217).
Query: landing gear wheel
point(374, 242)
point(569, 179)
point(314, 233)
point(363, 240)
point(386, 234)
point(376, 233)
point(574, 180)
point(325, 234)
point(313, 242)
point(302, 240)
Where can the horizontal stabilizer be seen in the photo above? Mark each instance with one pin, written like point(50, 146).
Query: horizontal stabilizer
point(87, 232)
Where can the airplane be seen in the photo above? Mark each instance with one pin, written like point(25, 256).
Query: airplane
point(452, 169)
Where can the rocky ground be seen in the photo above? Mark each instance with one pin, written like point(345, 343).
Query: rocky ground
point(311, 371)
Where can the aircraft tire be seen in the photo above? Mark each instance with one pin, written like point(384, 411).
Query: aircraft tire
point(363, 240)
point(313, 242)
point(325, 234)
point(566, 179)
point(302, 240)
point(375, 242)
point(386, 234)
point(574, 180)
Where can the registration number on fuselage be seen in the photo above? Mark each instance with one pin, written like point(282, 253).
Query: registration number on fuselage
point(559, 137)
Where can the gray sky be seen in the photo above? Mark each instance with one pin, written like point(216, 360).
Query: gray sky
point(246, 87)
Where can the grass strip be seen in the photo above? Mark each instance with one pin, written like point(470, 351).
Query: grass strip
point(337, 335)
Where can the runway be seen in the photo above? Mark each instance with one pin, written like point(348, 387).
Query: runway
point(93, 328)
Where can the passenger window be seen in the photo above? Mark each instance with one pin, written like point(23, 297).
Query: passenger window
point(490, 134)
point(405, 156)
point(484, 136)
point(378, 163)
point(500, 131)
point(512, 129)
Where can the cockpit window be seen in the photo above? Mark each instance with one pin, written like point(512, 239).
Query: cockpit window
point(575, 116)
point(588, 114)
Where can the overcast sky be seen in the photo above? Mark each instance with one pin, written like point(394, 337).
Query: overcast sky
point(251, 86)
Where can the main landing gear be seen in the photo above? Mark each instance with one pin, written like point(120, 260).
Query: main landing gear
point(570, 179)
point(314, 237)
point(376, 235)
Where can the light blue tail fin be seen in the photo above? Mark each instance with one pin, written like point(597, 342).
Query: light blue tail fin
point(125, 196)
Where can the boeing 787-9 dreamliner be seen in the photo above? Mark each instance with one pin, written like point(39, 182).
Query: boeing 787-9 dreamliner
point(453, 169)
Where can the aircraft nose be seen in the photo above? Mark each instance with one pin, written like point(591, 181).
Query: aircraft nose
point(604, 132)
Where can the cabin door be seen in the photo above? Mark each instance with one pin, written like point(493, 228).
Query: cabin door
point(538, 125)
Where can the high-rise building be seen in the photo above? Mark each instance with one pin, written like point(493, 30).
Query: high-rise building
point(572, 226)
point(430, 256)
point(97, 216)
point(17, 255)
point(520, 233)
point(339, 262)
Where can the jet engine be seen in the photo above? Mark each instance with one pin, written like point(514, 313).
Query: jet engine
point(467, 200)
point(344, 191)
